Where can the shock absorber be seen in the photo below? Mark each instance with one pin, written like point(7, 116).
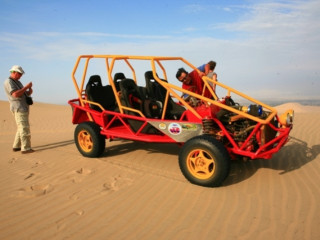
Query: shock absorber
point(208, 124)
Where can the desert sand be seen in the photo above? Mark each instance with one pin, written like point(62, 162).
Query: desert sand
point(136, 190)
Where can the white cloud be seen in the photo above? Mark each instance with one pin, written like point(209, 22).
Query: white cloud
point(227, 9)
point(194, 8)
point(281, 20)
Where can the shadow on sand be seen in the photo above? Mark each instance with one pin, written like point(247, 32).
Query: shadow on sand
point(127, 146)
point(291, 157)
point(53, 145)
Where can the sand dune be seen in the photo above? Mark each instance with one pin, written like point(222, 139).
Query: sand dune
point(298, 108)
point(136, 190)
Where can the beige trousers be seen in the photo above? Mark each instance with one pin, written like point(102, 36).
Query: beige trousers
point(23, 136)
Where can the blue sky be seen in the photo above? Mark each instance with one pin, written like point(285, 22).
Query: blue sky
point(267, 49)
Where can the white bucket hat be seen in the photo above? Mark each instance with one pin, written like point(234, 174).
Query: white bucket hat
point(16, 68)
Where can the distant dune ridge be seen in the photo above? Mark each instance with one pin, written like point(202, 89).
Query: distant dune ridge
point(136, 190)
point(297, 107)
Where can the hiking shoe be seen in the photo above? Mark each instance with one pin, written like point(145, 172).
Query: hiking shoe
point(27, 151)
point(16, 149)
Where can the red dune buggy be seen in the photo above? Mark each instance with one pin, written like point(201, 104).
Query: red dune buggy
point(150, 107)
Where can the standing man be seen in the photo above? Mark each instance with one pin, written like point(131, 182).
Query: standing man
point(17, 93)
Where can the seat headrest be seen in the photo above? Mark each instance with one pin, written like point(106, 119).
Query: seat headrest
point(95, 80)
point(149, 75)
point(119, 76)
point(150, 79)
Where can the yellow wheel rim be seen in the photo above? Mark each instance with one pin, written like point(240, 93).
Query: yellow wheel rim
point(200, 164)
point(85, 141)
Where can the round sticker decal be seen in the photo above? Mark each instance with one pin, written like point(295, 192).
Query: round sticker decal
point(162, 126)
point(174, 128)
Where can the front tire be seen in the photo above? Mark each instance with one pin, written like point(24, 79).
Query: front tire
point(88, 139)
point(204, 161)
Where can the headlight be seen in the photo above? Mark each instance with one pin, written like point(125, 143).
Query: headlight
point(286, 119)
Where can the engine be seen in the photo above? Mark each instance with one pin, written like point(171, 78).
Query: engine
point(238, 127)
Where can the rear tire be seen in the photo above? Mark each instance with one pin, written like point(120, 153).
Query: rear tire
point(204, 161)
point(88, 139)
